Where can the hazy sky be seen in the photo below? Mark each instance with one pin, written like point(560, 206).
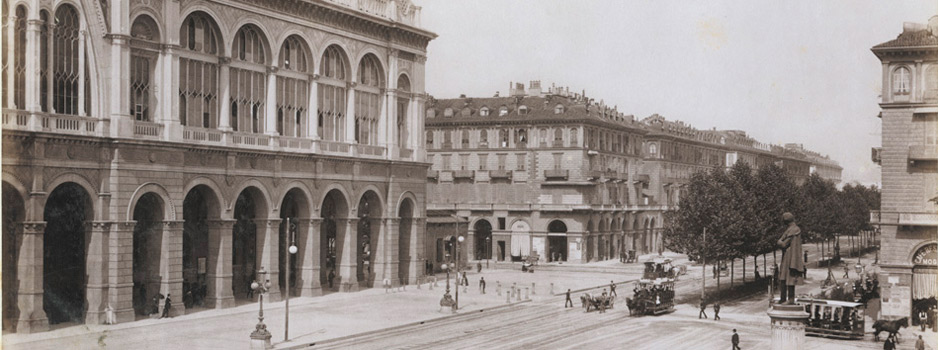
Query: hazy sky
point(783, 71)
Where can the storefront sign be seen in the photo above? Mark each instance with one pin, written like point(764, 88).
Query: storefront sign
point(927, 255)
point(896, 300)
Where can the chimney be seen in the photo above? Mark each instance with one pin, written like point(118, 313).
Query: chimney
point(496, 93)
point(912, 27)
point(462, 95)
point(517, 90)
point(534, 88)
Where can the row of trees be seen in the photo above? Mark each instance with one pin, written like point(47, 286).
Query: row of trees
point(741, 210)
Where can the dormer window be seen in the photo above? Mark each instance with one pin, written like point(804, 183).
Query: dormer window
point(523, 110)
point(503, 111)
point(901, 79)
point(653, 149)
point(484, 111)
point(448, 112)
point(466, 112)
point(558, 109)
point(431, 113)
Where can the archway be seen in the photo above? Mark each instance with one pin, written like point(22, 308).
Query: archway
point(334, 208)
point(68, 209)
point(147, 249)
point(483, 239)
point(368, 237)
point(557, 241)
point(294, 215)
point(406, 215)
point(590, 228)
point(14, 211)
point(198, 260)
point(249, 207)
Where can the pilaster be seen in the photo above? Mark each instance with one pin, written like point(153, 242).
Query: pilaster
point(346, 234)
point(271, 118)
point(218, 270)
point(171, 265)
point(268, 253)
point(309, 252)
point(32, 317)
point(120, 265)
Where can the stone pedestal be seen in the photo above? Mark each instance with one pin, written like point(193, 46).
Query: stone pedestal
point(787, 326)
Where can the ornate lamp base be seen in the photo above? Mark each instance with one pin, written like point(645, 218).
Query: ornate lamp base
point(260, 338)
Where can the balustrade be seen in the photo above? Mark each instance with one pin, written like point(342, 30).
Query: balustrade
point(68, 124)
point(147, 129)
point(201, 135)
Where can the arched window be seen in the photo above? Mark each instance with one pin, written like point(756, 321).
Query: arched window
point(293, 88)
point(483, 137)
point(573, 136)
point(403, 104)
point(332, 94)
point(901, 81)
point(558, 136)
point(45, 65)
point(502, 111)
point(465, 139)
point(198, 72)
point(368, 100)
point(248, 80)
point(66, 52)
point(429, 139)
point(484, 112)
point(523, 110)
point(543, 134)
point(503, 138)
point(653, 149)
point(145, 37)
point(19, 58)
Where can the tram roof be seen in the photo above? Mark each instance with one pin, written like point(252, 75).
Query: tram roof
point(828, 302)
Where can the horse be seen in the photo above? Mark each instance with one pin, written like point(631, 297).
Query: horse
point(889, 326)
point(586, 301)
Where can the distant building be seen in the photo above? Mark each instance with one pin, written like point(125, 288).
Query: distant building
point(558, 175)
point(909, 160)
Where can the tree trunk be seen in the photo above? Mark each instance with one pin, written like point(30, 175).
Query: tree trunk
point(744, 269)
point(718, 276)
point(732, 272)
point(765, 269)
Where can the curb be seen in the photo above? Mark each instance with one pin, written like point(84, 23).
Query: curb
point(411, 324)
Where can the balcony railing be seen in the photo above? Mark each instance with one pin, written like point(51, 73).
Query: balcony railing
point(433, 174)
point(370, 150)
point(68, 124)
point(295, 143)
point(406, 153)
point(923, 152)
point(333, 147)
point(500, 174)
point(148, 129)
point(594, 174)
point(250, 139)
point(918, 219)
point(555, 174)
point(464, 174)
point(15, 119)
point(201, 135)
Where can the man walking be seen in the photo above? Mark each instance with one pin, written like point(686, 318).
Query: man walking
point(792, 269)
point(479, 267)
point(919, 343)
point(922, 319)
point(612, 289)
point(465, 279)
point(569, 301)
point(846, 272)
point(805, 256)
point(482, 284)
point(735, 340)
point(703, 309)
point(716, 311)
point(602, 303)
point(167, 305)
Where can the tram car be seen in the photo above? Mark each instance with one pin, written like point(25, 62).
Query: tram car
point(652, 297)
point(833, 318)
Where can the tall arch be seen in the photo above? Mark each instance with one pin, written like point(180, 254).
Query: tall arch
point(368, 99)
point(334, 74)
point(14, 213)
point(250, 214)
point(248, 81)
point(372, 250)
point(200, 46)
point(483, 239)
point(403, 110)
point(67, 74)
point(68, 210)
point(202, 244)
point(294, 229)
point(295, 63)
point(148, 215)
point(557, 241)
point(334, 213)
point(145, 38)
point(407, 239)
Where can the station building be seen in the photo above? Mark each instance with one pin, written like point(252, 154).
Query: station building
point(553, 174)
point(909, 161)
point(179, 147)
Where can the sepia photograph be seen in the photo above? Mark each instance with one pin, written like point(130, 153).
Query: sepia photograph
point(486, 174)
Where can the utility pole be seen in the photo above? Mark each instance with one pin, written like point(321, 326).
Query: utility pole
point(703, 280)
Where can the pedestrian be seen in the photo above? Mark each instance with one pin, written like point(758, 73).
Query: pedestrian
point(426, 266)
point(919, 343)
point(155, 307)
point(889, 344)
point(482, 284)
point(465, 279)
point(331, 277)
point(431, 269)
point(805, 256)
point(922, 319)
point(612, 289)
point(479, 267)
point(569, 301)
point(715, 271)
point(758, 277)
point(387, 285)
point(716, 311)
point(846, 272)
point(703, 309)
point(602, 303)
point(109, 315)
point(735, 340)
point(167, 305)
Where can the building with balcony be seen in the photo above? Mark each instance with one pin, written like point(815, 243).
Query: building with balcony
point(909, 210)
point(179, 147)
point(554, 174)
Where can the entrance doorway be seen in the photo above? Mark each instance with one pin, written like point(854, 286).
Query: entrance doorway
point(248, 207)
point(14, 211)
point(147, 242)
point(483, 240)
point(199, 206)
point(557, 245)
point(67, 210)
point(334, 208)
point(501, 250)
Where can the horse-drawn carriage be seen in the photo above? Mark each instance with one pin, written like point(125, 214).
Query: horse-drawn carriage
point(590, 302)
point(833, 318)
point(652, 297)
point(663, 269)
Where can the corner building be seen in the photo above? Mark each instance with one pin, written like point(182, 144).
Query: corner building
point(178, 147)
point(909, 161)
point(553, 174)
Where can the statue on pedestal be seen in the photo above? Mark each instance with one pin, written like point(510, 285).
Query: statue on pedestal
point(792, 268)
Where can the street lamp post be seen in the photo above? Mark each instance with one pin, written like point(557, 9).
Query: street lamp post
point(458, 240)
point(260, 338)
point(488, 249)
point(291, 227)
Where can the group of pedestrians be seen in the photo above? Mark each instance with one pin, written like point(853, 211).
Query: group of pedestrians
point(703, 310)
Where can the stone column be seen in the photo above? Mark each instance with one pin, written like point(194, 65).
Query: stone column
point(350, 114)
point(171, 266)
point(120, 242)
point(268, 254)
point(96, 267)
point(418, 227)
point(224, 103)
point(33, 30)
point(308, 255)
point(119, 45)
point(388, 248)
point(787, 326)
point(346, 238)
point(270, 126)
point(32, 317)
point(313, 111)
point(218, 270)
